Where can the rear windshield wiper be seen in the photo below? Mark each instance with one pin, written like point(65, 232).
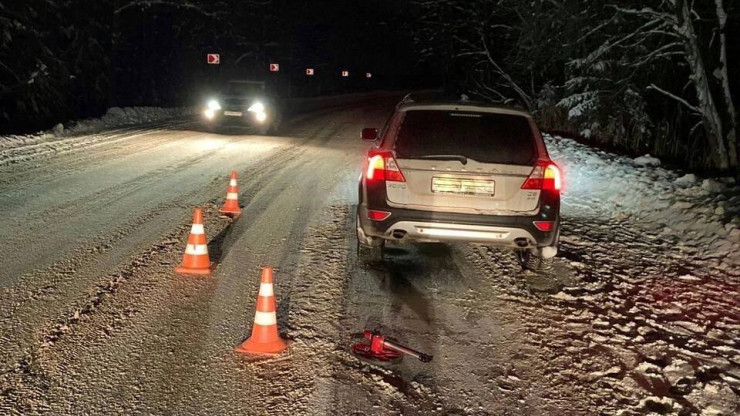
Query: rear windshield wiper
point(461, 158)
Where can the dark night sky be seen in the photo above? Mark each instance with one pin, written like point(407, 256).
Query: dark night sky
point(87, 56)
point(327, 35)
point(369, 35)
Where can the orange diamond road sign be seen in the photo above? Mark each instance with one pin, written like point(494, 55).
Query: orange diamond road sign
point(368, 75)
point(213, 58)
point(274, 67)
point(345, 73)
point(309, 71)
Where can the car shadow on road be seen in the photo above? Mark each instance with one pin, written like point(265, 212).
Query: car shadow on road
point(235, 130)
point(404, 298)
point(225, 130)
point(220, 244)
point(406, 269)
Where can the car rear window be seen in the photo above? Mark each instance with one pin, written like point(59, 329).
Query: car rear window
point(483, 137)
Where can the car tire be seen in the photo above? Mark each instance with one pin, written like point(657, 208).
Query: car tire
point(369, 249)
point(370, 254)
point(275, 127)
point(263, 130)
point(531, 259)
point(540, 259)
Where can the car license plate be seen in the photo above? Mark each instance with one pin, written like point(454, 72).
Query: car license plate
point(459, 186)
point(233, 113)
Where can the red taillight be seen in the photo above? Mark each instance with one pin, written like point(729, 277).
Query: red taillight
point(382, 166)
point(544, 225)
point(376, 168)
point(545, 176)
point(392, 172)
point(552, 181)
point(378, 215)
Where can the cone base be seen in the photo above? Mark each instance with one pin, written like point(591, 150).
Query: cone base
point(261, 348)
point(230, 213)
point(188, 270)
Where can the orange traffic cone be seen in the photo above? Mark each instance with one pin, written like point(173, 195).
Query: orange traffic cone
point(196, 259)
point(231, 205)
point(265, 338)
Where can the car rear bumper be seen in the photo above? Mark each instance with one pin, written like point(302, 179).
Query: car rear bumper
point(416, 225)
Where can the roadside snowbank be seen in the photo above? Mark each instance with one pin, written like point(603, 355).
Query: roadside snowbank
point(117, 117)
point(114, 117)
point(701, 215)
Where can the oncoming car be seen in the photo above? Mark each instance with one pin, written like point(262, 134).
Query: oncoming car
point(243, 103)
point(459, 171)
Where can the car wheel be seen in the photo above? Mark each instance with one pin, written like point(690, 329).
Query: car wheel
point(532, 259)
point(275, 127)
point(263, 130)
point(540, 259)
point(369, 249)
point(370, 254)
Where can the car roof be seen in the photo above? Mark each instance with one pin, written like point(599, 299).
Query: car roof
point(441, 103)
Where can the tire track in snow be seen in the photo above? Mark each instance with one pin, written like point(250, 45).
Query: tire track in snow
point(654, 324)
point(55, 148)
point(253, 180)
point(15, 177)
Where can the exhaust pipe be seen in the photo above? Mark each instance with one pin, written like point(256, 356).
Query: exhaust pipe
point(398, 234)
point(521, 242)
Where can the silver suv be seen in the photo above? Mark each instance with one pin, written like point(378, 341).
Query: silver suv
point(459, 171)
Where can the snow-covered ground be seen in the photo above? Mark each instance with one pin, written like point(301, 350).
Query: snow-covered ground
point(699, 214)
point(118, 124)
point(122, 122)
point(115, 117)
point(655, 259)
point(640, 315)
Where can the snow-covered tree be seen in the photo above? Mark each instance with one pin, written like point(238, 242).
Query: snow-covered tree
point(52, 59)
point(628, 72)
point(644, 42)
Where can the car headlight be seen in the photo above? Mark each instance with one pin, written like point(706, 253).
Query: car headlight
point(257, 107)
point(214, 105)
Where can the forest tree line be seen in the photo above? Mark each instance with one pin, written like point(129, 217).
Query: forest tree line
point(652, 76)
point(63, 60)
point(641, 76)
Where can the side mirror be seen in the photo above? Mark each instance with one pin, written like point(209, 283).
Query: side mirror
point(369, 134)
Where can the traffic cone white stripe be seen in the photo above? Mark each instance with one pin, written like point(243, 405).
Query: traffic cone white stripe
point(265, 337)
point(197, 229)
point(265, 318)
point(231, 204)
point(266, 289)
point(196, 249)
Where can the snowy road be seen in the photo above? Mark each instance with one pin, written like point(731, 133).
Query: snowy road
point(637, 317)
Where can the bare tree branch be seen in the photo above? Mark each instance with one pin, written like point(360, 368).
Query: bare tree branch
point(150, 3)
point(524, 96)
point(675, 97)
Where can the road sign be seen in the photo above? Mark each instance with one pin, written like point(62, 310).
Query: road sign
point(345, 73)
point(274, 67)
point(213, 58)
point(309, 71)
point(368, 75)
